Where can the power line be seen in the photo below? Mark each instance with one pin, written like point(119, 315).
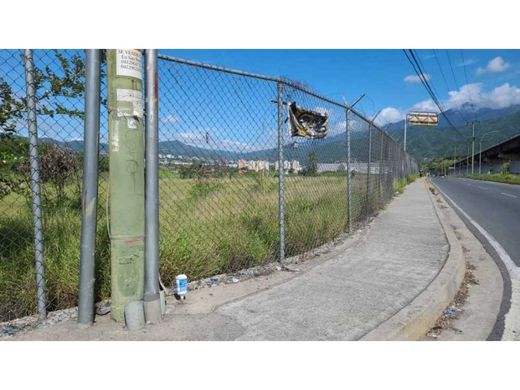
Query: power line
point(466, 75)
point(456, 83)
point(410, 55)
point(444, 77)
point(451, 67)
point(464, 65)
point(440, 68)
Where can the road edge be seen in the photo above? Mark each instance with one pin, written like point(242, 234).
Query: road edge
point(414, 320)
point(499, 328)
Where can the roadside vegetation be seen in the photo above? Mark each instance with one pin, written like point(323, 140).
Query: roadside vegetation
point(504, 176)
point(211, 222)
point(400, 184)
point(508, 178)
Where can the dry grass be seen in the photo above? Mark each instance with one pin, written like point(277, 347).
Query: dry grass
point(207, 226)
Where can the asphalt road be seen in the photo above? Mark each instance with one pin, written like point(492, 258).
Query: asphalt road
point(494, 206)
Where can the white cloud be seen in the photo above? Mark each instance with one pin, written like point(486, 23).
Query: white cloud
point(170, 119)
point(323, 110)
point(425, 105)
point(207, 140)
point(414, 79)
point(469, 61)
point(496, 65)
point(502, 96)
point(389, 115)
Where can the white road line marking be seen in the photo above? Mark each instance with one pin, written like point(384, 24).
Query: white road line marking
point(512, 268)
point(483, 188)
point(506, 194)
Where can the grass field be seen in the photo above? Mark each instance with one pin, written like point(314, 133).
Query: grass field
point(207, 226)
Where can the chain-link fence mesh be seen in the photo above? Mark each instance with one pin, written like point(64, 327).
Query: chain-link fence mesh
point(59, 81)
point(316, 177)
point(218, 177)
point(218, 193)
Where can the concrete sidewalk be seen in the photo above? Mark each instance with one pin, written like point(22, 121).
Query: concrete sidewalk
point(343, 296)
point(351, 294)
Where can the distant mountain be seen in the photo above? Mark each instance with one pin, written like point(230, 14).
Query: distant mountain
point(422, 142)
point(467, 113)
point(442, 141)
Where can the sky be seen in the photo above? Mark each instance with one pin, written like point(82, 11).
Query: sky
point(485, 78)
point(216, 110)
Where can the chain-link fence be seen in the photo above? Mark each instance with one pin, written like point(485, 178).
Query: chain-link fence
point(59, 82)
point(236, 190)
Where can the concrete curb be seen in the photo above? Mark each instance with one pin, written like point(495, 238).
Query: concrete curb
point(413, 321)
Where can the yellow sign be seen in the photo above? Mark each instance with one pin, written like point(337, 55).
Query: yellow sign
point(423, 118)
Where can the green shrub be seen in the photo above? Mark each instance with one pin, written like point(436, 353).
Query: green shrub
point(411, 178)
point(202, 188)
point(264, 182)
point(505, 168)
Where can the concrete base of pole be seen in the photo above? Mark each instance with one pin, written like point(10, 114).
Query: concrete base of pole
point(134, 315)
point(162, 297)
point(85, 325)
point(152, 308)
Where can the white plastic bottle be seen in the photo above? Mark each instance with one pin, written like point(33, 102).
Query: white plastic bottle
point(181, 284)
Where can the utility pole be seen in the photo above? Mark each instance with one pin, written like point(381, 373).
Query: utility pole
point(467, 161)
point(473, 149)
point(126, 183)
point(473, 146)
point(455, 161)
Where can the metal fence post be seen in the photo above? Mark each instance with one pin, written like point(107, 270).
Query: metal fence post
point(368, 167)
point(380, 189)
point(90, 189)
point(35, 181)
point(349, 174)
point(152, 303)
point(281, 196)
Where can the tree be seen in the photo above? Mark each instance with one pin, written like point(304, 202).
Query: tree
point(13, 153)
point(11, 108)
point(54, 85)
point(57, 167)
point(505, 168)
point(312, 165)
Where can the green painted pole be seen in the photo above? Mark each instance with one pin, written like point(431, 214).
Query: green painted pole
point(126, 178)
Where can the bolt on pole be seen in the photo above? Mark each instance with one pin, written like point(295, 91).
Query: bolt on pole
point(90, 189)
point(126, 181)
point(152, 303)
point(281, 195)
point(35, 181)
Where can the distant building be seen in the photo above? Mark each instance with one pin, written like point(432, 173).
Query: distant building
point(242, 165)
point(330, 167)
point(293, 165)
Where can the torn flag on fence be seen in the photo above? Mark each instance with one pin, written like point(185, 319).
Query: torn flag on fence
point(306, 123)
